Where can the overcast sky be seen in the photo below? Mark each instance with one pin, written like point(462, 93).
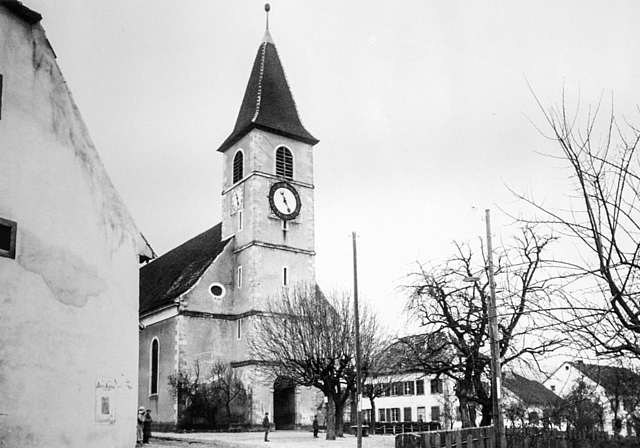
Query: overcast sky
point(422, 109)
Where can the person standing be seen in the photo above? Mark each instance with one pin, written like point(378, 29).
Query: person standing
point(265, 425)
point(146, 431)
point(315, 426)
point(140, 426)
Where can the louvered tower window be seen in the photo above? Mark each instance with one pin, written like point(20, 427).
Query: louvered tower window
point(238, 168)
point(284, 162)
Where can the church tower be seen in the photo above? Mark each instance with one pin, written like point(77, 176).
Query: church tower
point(268, 201)
point(199, 301)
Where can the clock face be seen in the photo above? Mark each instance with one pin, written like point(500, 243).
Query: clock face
point(284, 200)
point(237, 199)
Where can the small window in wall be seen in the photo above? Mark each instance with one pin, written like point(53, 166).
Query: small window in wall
point(240, 220)
point(238, 166)
point(285, 225)
point(436, 386)
point(239, 281)
point(285, 276)
point(153, 377)
point(217, 290)
point(0, 97)
point(284, 162)
point(8, 232)
point(419, 387)
point(239, 328)
point(408, 388)
point(553, 388)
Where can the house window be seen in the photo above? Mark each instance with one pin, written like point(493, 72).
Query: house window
point(381, 415)
point(408, 387)
point(366, 415)
point(240, 220)
point(407, 415)
point(397, 388)
point(239, 281)
point(534, 418)
point(284, 162)
point(239, 328)
point(153, 380)
point(8, 231)
point(435, 413)
point(436, 386)
point(422, 414)
point(553, 388)
point(393, 414)
point(420, 387)
point(285, 276)
point(238, 166)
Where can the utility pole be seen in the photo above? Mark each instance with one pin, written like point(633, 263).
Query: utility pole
point(496, 372)
point(357, 324)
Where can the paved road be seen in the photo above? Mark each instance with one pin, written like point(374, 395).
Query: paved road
point(280, 439)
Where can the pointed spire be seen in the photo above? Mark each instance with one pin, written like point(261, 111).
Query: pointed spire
point(268, 102)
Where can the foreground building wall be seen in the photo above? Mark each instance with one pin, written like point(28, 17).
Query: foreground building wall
point(68, 262)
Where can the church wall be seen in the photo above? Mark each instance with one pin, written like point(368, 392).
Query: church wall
point(161, 404)
point(221, 271)
point(69, 298)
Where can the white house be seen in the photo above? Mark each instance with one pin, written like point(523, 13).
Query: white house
point(69, 256)
point(527, 402)
point(616, 389)
point(412, 397)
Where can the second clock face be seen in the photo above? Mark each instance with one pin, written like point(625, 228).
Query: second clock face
point(284, 200)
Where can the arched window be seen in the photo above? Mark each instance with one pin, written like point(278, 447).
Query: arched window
point(238, 167)
point(153, 386)
point(284, 162)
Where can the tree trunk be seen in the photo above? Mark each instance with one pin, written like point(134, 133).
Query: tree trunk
point(339, 418)
point(372, 423)
point(331, 418)
point(464, 409)
point(487, 415)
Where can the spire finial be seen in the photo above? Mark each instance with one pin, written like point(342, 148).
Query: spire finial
point(267, 8)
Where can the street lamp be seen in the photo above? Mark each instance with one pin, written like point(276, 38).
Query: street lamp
point(496, 373)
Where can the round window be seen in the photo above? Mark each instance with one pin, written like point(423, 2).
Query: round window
point(217, 290)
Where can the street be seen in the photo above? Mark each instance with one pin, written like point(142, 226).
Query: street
point(281, 439)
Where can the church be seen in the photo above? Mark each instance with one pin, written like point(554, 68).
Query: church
point(198, 302)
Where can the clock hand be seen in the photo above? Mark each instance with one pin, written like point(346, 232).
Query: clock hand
point(284, 198)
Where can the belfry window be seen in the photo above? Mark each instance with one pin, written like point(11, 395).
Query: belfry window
point(238, 167)
point(284, 162)
point(153, 380)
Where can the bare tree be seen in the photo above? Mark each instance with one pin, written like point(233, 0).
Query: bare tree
point(201, 395)
point(308, 338)
point(454, 315)
point(227, 385)
point(603, 218)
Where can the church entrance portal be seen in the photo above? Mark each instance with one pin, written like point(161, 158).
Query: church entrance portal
point(284, 404)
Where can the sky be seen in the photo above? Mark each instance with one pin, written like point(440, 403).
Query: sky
point(426, 112)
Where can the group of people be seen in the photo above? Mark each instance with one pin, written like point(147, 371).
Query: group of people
point(266, 424)
point(144, 426)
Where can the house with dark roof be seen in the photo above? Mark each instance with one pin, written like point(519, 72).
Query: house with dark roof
point(69, 261)
point(527, 402)
point(616, 389)
point(199, 301)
